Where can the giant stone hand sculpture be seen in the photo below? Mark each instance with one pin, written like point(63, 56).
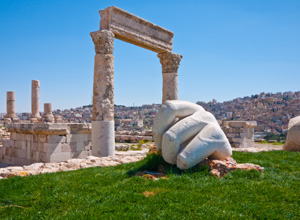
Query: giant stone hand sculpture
point(187, 134)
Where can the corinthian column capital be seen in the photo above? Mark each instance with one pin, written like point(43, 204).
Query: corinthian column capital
point(104, 41)
point(169, 62)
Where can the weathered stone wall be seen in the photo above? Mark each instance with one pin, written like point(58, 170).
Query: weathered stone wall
point(133, 137)
point(48, 142)
point(240, 133)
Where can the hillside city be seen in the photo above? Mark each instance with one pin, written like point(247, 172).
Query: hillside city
point(272, 111)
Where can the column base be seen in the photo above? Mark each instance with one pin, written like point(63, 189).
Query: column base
point(103, 138)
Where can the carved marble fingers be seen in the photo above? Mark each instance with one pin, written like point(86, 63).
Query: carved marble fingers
point(187, 134)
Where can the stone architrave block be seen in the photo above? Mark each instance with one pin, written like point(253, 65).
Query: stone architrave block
point(133, 29)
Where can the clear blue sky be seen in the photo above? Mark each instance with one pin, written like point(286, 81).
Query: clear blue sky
point(230, 49)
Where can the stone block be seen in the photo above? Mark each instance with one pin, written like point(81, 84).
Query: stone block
point(35, 138)
point(14, 152)
point(23, 145)
point(29, 137)
point(13, 136)
point(1, 154)
point(231, 135)
point(132, 29)
point(28, 150)
point(7, 159)
point(34, 146)
point(87, 145)
point(32, 155)
point(41, 147)
point(56, 139)
point(84, 154)
point(42, 157)
point(52, 148)
point(18, 144)
point(90, 137)
point(237, 140)
point(21, 153)
point(73, 146)
point(80, 146)
point(65, 147)
point(60, 157)
point(6, 142)
point(77, 137)
point(42, 138)
point(7, 151)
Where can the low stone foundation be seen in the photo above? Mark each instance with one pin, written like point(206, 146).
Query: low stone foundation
point(240, 133)
point(133, 137)
point(47, 142)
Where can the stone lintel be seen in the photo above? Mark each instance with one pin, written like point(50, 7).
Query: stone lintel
point(133, 29)
point(50, 128)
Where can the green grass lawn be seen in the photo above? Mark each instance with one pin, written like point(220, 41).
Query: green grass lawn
point(113, 193)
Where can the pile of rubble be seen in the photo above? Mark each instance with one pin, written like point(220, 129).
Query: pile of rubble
point(219, 168)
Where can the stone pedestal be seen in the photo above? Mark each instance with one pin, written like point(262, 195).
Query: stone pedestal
point(103, 132)
point(10, 107)
point(35, 100)
point(48, 115)
point(170, 63)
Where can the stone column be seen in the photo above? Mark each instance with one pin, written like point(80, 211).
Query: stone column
point(170, 63)
point(103, 129)
point(35, 100)
point(48, 115)
point(10, 106)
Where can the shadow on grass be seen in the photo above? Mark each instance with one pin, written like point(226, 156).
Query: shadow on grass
point(155, 163)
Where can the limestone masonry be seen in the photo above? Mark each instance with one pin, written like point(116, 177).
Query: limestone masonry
point(133, 29)
point(117, 23)
point(47, 142)
point(240, 133)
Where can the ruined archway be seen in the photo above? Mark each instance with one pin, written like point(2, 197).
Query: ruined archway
point(117, 23)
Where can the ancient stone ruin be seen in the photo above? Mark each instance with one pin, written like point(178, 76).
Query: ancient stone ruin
point(46, 142)
point(117, 23)
point(240, 133)
point(11, 106)
point(35, 101)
